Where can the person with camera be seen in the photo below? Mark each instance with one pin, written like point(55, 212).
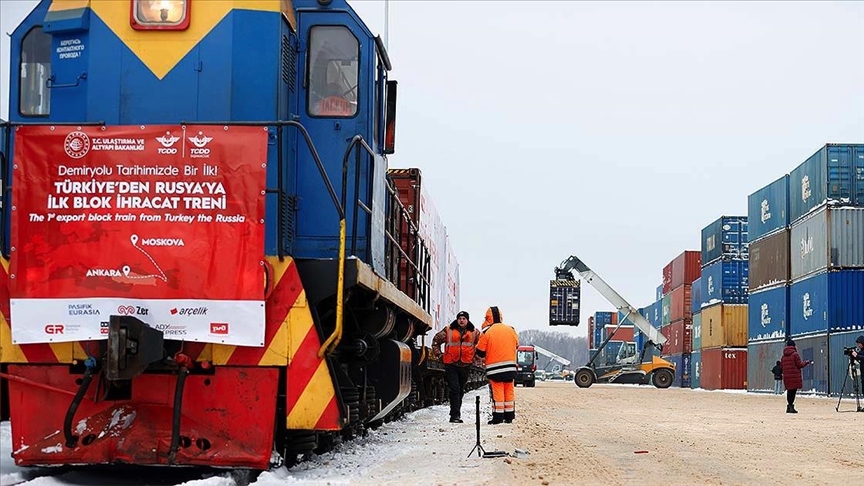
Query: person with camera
point(858, 354)
point(792, 365)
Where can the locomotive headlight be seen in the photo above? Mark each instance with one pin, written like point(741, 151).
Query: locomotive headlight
point(160, 14)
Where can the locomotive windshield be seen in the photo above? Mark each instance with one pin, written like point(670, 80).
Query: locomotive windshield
point(35, 69)
point(334, 55)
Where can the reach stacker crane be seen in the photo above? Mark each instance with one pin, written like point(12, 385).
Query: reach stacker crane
point(650, 369)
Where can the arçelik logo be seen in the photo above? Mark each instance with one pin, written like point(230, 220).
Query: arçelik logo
point(77, 144)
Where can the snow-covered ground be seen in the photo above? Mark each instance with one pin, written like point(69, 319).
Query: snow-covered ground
point(421, 445)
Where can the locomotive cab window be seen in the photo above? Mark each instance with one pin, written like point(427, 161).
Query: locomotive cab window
point(333, 71)
point(34, 97)
point(160, 14)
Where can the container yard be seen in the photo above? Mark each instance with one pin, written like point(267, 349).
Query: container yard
point(786, 270)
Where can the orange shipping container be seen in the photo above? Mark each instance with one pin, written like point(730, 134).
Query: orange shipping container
point(724, 369)
point(724, 325)
point(625, 333)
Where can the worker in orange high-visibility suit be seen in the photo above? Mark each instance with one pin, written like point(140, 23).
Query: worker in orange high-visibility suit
point(459, 340)
point(497, 346)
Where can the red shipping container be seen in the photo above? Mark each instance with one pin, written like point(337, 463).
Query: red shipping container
point(686, 268)
point(625, 333)
point(667, 278)
point(679, 337)
point(724, 369)
point(680, 305)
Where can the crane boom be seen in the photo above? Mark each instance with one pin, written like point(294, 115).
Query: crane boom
point(574, 263)
point(551, 355)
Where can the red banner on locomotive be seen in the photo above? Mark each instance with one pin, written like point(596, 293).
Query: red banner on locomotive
point(165, 223)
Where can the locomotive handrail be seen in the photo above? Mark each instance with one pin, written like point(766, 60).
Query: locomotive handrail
point(423, 283)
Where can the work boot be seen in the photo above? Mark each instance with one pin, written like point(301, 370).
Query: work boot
point(791, 409)
point(456, 420)
point(497, 418)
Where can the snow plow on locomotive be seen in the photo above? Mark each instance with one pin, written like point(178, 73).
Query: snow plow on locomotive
point(205, 256)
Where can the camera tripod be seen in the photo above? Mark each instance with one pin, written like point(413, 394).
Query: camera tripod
point(479, 448)
point(853, 372)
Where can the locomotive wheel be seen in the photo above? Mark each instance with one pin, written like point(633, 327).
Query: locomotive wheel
point(663, 378)
point(584, 378)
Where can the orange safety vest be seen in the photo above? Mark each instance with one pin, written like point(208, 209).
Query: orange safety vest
point(459, 347)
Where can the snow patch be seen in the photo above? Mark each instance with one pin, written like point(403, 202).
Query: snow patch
point(53, 449)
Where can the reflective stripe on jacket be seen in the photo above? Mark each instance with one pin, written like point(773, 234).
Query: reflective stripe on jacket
point(459, 347)
point(498, 345)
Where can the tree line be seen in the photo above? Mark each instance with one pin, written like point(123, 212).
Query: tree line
point(568, 347)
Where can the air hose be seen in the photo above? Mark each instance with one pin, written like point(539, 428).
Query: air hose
point(89, 366)
point(175, 423)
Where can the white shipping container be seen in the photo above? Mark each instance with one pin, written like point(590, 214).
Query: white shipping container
point(451, 291)
point(434, 235)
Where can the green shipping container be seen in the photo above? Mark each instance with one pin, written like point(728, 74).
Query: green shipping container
point(666, 309)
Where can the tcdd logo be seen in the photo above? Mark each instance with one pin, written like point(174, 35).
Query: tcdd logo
point(54, 329)
point(218, 328)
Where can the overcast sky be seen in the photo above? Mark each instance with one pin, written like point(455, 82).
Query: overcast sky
point(613, 131)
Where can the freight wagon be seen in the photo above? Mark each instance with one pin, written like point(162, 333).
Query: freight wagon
point(205, 257)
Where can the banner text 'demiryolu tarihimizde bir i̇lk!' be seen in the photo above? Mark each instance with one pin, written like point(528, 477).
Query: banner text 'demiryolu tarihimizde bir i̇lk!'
point(164, 223)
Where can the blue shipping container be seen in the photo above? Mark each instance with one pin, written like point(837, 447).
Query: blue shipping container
point(599, 336)
point(659, 294)
point(656, 318)
point(726, 237)
point(725, 281)
point(768, 209)
point(835, 173)
point(815, 376)
point(682, 369)
point(696, 296)
point(768, 314)
point(696, 369)
point(833, 298)
point(838, 363)
point(761, 358)
point(602, 318)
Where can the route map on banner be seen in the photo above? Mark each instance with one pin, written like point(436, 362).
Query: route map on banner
point(163, 223)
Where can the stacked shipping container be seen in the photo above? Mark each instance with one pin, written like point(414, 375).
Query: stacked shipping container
point(677, 311)
point(723, 326)
point(794, 267)
point(810, 282)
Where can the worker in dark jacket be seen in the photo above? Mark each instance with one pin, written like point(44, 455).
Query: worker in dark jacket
point(459, 340)
point(778, 378)
point(792, 365)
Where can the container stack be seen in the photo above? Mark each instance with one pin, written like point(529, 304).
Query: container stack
point(723, 326)
point(826, 295)
point(768, 321)
point(696, 334)
point(677, 302)
point(598, 328)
